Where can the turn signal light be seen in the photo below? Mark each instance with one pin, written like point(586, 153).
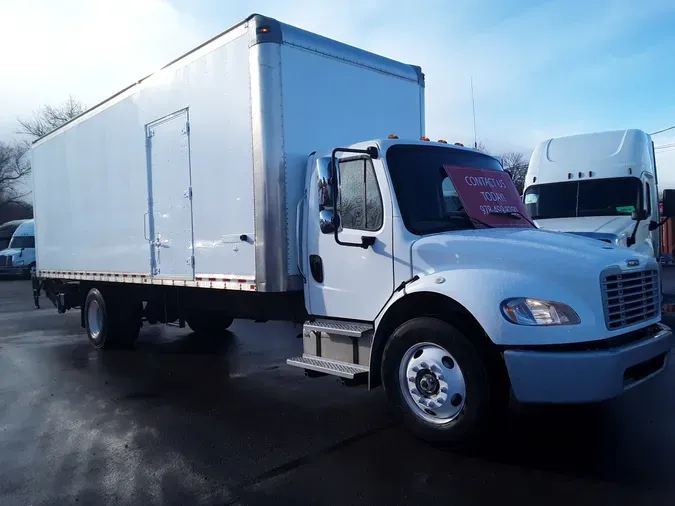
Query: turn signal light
point(392, 136)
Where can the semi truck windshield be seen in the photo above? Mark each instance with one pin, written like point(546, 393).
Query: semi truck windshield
point(600, 197)
point(426, 197)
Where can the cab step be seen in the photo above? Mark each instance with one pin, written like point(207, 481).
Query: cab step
point(342, 328)
point(327, 366)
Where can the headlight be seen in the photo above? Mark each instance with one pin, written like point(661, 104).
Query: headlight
point(523, 311)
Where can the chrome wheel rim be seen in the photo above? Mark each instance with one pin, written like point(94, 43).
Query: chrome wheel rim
point(432, 383)
point(95, 318)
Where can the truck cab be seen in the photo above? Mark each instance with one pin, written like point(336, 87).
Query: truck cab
point(19, 257)
point(601, 185)
point(405, 286)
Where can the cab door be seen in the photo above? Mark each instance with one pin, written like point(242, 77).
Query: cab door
point(351, 277)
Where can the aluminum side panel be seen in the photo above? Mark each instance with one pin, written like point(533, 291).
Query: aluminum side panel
point(90, 180)
point(336, 104)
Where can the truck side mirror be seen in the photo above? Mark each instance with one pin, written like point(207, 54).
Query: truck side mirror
point(668, 204)
point(325, 181)
point(639, 215)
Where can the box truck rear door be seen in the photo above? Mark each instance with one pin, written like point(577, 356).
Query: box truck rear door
point(170, 197)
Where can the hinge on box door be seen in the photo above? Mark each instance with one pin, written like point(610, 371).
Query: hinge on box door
point(187, 127)
point(192, 261)
point(190, 192)
point(151, 133)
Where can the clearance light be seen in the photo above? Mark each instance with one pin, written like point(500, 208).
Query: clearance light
point(424, 138)
point(392, 136)
point(442, 141)
point(459, 144)
point(264, 29)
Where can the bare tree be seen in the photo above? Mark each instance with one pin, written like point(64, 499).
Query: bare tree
point(480, 146)
point(48, 117)
point(516, 163)
point(14, 166)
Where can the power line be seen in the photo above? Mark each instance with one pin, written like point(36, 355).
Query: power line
point(664, 130)
point(663, 146)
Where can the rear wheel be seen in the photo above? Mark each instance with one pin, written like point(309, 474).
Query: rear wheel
point(208, 323)
point(111, 322)
point(438, 383)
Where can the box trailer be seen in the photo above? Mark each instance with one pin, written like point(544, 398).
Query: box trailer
point(239, 182)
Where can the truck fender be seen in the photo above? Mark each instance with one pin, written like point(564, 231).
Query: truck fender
point(423, 297)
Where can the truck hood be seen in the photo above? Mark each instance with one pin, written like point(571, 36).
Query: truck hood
point(537, 252)
point(614, 225)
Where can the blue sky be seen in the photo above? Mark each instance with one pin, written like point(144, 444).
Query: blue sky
point(540, 68)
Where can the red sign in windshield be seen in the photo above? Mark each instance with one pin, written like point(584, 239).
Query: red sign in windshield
point(489, 197)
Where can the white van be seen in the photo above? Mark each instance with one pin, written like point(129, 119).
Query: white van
point(602, 185)
point(19, 257)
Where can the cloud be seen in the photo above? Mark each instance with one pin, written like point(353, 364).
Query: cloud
point(88, 48)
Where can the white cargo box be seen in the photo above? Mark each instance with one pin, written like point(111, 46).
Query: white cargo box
point(191, 176)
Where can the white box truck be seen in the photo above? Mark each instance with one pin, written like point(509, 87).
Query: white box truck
point(238, 182)
point(602, 185)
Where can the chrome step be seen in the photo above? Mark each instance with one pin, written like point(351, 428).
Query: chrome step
point(351, 329)
point(326, 366)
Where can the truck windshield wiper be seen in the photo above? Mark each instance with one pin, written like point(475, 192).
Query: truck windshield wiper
point(515, 215)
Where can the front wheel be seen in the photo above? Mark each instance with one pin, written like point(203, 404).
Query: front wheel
point(437, 382)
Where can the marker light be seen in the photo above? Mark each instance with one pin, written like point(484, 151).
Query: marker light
point(392, 136)
point(459, 144)
point(424, 138)
point(442, 141)
point(264, 29)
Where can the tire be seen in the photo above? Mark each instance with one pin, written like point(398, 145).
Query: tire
point(111, 322)
point(209, 323)
point(458, 397)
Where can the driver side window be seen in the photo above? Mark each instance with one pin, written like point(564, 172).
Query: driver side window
point(360, 201)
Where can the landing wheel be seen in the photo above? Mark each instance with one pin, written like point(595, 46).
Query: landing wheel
point(209, 323)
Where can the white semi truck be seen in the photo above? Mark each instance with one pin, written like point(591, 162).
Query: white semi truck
point(238, 182)
point(602, 185)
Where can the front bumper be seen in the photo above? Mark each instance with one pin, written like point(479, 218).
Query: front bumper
point(22, 270)
point(568, 377)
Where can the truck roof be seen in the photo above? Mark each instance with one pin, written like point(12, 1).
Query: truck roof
point(385, 144)
point(26, 228)
point(615, 153)
point(266, 29)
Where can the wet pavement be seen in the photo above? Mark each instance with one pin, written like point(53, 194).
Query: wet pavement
point(190, 420)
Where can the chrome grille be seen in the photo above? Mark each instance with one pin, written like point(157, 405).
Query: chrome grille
point(630, 297)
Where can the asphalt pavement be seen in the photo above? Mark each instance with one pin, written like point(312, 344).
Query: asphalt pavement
point(183, 419)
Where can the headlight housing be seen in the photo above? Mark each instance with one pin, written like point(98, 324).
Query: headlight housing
point(18, 262)
point(523, 311)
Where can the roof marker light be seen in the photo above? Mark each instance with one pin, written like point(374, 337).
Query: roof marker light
point(423, 138)
point(392, 136)
point(459, 144)
point(591, 173)
point(630, 171)
point(442, 141)
point(581, 174)
point(569, 175)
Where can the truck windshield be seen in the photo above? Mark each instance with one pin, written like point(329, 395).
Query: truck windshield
point(571, 199)
point(22, 241)
point(426, 197)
